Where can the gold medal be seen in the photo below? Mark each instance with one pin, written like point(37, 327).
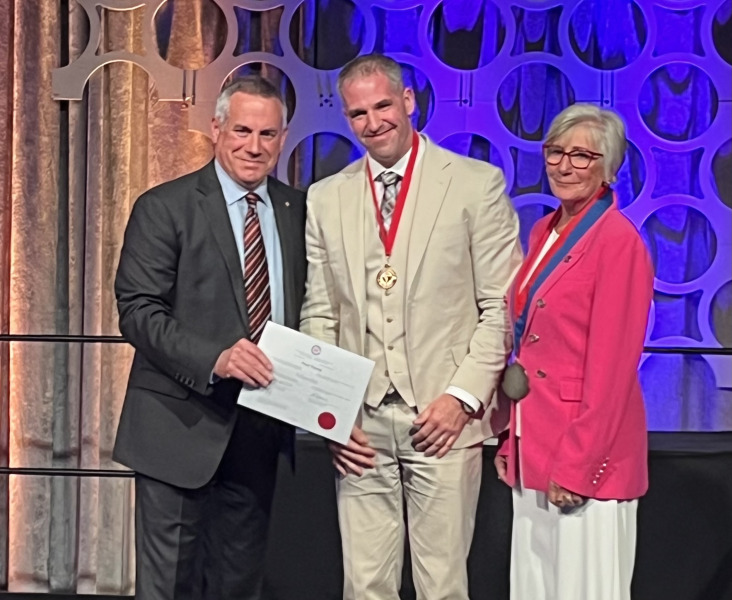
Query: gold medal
point(386, 277)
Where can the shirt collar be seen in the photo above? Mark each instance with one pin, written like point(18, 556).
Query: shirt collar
point(400, 168)
point(233, 192)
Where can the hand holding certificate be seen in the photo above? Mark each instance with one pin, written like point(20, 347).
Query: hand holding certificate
point(317, 386)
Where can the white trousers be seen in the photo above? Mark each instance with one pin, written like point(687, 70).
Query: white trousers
point(585, 553)
point(440, 496)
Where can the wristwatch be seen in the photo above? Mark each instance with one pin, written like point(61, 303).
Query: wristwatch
point(467, 409)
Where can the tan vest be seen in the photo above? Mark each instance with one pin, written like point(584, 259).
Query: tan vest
point(385, 341)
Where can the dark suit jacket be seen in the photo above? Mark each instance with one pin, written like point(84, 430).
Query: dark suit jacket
point(180, 295)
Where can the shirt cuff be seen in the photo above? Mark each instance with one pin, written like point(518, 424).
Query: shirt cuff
point(465, 397)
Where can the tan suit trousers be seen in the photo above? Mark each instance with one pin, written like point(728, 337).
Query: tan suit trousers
point(440, 497)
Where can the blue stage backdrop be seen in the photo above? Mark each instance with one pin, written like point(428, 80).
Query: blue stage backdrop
point(489, 77)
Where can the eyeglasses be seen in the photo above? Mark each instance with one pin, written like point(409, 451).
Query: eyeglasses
point(579, 159)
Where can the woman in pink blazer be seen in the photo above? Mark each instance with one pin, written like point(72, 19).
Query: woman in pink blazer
point(576, 450)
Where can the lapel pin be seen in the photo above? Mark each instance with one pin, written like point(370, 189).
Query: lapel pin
point(567, 258)
point(287, 204)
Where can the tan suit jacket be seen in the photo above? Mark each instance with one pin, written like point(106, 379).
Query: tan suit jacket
point(462, 253)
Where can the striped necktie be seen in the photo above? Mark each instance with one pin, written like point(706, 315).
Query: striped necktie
point(256, 274)
point(390, 180)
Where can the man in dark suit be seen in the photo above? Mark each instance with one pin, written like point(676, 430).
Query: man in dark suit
point(207, 260)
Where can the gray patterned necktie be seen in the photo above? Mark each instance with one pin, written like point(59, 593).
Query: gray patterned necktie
point(391, 182)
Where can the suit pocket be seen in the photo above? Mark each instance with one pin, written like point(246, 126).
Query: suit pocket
point(157, 382)
point(570, 390)
point(453, 233)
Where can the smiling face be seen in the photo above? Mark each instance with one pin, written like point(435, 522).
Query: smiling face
point(248, 144)
point(569, 184)
point(379, 116)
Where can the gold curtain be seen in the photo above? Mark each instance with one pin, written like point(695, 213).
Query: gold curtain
point(6, 134)
point(70, 173)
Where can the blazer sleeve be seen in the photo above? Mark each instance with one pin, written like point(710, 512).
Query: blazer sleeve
point(145, 289)
point(319, 314)
point(616, 332)
point(496, 256)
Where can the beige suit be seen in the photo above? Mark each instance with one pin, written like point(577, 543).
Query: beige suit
point(443, 324)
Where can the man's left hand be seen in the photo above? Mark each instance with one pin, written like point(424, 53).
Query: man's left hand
point(440, 424)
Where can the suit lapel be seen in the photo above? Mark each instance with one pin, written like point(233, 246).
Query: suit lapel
point(352, 193)
point(428, 196)
point(567, 264)
point(285, 230)
point(562, 268)
point(213, 206)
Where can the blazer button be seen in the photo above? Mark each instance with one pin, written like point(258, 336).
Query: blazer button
point(540, 373)
point(540, 303)
point(533, 337)
point(389, 320)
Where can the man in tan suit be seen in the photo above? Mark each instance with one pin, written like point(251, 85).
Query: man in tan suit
point(410, 253)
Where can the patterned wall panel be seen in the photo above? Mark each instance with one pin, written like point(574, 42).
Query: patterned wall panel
point(489, 77)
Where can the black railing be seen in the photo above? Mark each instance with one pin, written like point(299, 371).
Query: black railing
point(57, 338)
point(118, 339)
point(121, 473)
point(63, 472)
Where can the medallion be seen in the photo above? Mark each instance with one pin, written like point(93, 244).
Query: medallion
point(386, 277)
point(515, 383)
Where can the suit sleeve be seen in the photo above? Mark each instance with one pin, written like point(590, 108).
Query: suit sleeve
point(616, 332)
point(319, 314)
point(496, 256)
point(145, 291)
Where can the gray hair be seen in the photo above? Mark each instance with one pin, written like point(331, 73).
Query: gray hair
point(254, 85)
point(368, 64)
point(605, 127)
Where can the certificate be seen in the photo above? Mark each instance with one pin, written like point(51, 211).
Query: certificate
point(316, 386)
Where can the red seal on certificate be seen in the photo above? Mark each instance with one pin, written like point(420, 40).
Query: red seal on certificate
point(326, 420)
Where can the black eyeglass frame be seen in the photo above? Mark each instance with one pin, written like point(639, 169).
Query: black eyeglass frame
point(593, 156)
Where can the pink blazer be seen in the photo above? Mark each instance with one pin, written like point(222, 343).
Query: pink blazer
point(583, 423)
